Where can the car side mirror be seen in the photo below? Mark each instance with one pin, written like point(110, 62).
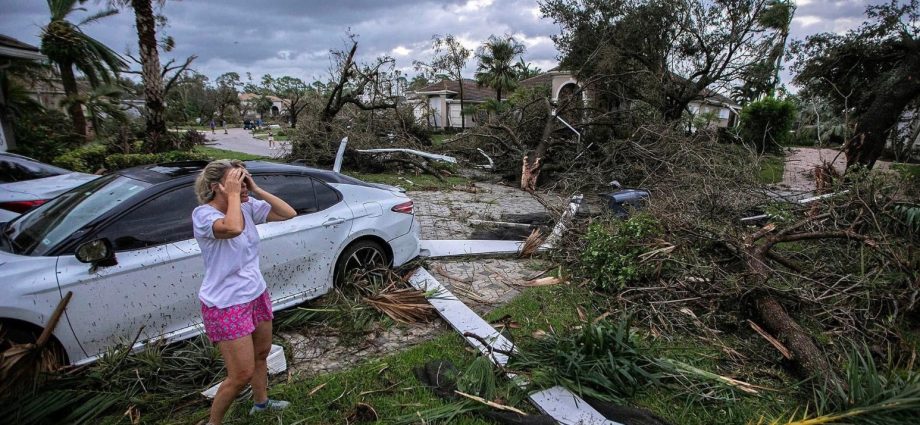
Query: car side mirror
point(98, 252)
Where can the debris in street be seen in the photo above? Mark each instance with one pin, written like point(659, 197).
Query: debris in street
point(454, 248)
point(532, 244)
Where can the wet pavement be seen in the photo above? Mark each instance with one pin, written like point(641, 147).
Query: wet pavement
point(239, 140)
point(483, 283)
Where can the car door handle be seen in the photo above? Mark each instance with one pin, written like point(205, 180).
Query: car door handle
point(333, 221)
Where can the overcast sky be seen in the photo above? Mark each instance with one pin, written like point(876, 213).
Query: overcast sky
point(293, 37)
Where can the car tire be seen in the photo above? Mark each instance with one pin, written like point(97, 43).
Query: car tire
point(366, 254)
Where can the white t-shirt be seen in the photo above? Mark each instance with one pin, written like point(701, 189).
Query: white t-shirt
point(231, 266)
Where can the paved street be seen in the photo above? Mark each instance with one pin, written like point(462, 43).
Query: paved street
point(240, 140)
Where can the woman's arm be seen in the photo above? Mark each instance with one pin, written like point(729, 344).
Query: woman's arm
point(280, 210)
point(231, 225)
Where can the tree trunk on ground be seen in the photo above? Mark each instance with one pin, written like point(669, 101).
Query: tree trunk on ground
point(884, 111)
point(75, 108)
point(809, 358)
point(153, 80)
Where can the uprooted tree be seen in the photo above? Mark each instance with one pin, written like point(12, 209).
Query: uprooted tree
point(360, 102)
point(870, 72)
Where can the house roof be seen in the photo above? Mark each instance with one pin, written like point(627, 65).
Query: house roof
point(13, 48)
point(543, 80)
point(712, 96)
point(245, 97)
point(471, 90)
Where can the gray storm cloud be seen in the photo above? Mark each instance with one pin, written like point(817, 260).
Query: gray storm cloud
point(290, 37)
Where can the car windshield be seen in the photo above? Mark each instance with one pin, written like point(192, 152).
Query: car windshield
point(41, 229)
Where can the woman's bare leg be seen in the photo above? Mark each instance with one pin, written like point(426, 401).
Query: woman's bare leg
point(239, 357)
point(262, 344)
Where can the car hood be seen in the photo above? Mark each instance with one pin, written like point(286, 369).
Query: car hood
point(45, 188)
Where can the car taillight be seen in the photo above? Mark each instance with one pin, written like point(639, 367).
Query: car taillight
point(22, 206)
point(405, 208)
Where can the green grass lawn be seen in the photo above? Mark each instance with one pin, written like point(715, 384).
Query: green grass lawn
point(419, 182)
point(771, 169)
point(216, 153)
point(907, 170)
point(439, 139)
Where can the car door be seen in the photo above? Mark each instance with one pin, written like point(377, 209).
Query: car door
point(152, 291)
point(298, 255)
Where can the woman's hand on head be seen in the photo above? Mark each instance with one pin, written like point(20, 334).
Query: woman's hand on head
point(250, 182)
point(232, 183)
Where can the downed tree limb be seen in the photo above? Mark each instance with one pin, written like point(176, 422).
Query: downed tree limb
point(491, 404)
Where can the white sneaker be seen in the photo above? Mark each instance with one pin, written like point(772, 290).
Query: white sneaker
point(270, 405)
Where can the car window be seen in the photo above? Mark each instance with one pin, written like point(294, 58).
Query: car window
point(44, 227)
point(14, 169)
point(325, 195)
point(166, 218)
point(297, 191)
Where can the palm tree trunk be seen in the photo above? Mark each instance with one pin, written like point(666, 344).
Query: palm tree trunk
point(153, 80)
point(75, 109)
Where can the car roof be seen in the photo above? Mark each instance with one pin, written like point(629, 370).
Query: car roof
point(168, 171)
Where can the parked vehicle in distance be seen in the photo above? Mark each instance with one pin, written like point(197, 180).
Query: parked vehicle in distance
point(123, 245)
point(26, 183)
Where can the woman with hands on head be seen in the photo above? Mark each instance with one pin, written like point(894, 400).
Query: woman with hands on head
point(235, 303)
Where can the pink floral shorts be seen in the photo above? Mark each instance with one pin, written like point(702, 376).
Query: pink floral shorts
point(236, 321)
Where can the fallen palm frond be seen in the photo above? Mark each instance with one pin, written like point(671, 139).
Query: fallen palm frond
point(532, 243)
point(871, 396)
point(601, 360)
point(26, 364)
point(403, 305)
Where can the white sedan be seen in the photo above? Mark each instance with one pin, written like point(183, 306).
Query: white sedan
point(123, 245)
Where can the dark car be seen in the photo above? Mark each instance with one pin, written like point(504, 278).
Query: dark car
point(26, 183)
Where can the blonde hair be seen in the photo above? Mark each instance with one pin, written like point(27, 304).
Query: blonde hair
point(211, 174)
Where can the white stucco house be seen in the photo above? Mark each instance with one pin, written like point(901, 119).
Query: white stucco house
point(438, 104)
point(248, 105)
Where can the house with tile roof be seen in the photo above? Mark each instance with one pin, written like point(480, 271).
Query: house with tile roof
point(438, 104)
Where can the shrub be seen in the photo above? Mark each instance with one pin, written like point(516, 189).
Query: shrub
point(44, 135)
point(120, 160)
point(766, 123)
point(611, 256)
point(85, 159)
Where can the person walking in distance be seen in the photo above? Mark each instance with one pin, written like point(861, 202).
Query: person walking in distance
point(271, 140)
point(235, 303)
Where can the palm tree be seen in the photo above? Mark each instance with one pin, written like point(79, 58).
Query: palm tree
point(68, 46)
point(496, 68)
point(148, 51)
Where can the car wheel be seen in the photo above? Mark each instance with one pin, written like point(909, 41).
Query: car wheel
point(361, 255)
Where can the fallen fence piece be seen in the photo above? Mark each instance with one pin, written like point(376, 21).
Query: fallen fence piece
point(563, 405)
point(563, 223)
point(340, 155)
point(453, 248)
point(461, 317)
point(489, 158)
point(433, 156)
point(567, 408)
point(276, 364)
